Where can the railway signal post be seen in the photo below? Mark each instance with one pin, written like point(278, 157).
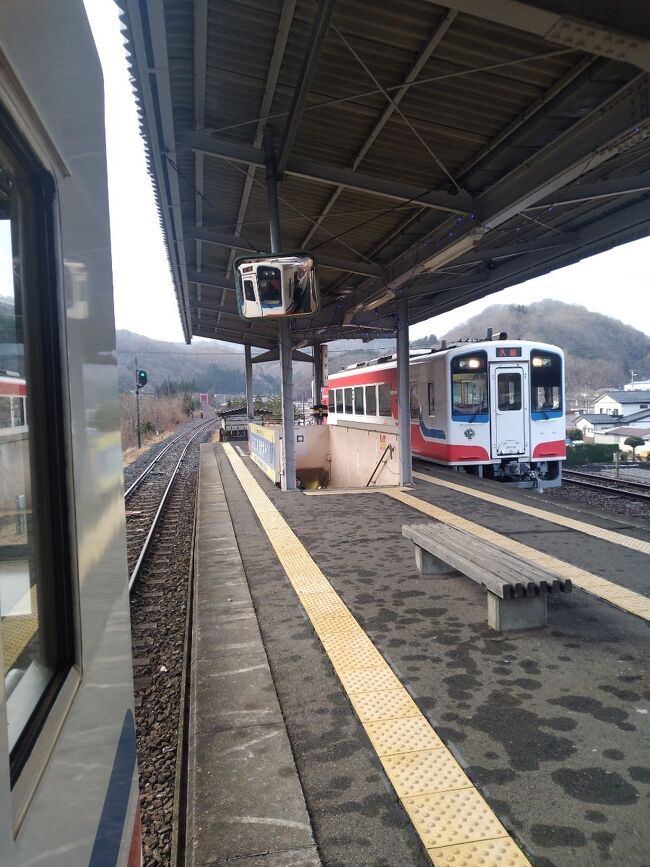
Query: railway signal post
point(140, 382)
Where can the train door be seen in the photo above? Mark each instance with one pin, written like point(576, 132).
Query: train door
point(509, 410)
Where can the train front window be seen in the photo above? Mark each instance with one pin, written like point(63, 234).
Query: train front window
point(545, 382)
point(269, 285)
point(35, 636)
point(469, 387)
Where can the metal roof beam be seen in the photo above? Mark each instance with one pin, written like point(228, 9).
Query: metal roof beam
point(598, 190)
point(593, 36)
point(211, 278)
point(274, 355)
point(333, 175)
point(310, 61)
point(221, 239)
point(432, 43)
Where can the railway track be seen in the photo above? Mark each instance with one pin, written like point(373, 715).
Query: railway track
point(160, 506)
point(620, 487)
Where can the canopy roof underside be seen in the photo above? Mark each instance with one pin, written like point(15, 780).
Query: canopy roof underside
point(429, 151)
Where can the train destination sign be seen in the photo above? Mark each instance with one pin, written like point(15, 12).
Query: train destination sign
point(508, 352)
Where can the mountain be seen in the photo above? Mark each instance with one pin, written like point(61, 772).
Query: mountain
point(600, 351)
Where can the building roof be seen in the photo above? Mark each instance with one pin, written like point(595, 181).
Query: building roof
point(627, 396)
point(642, 432)
point(439, 152)
point(637, 416)
point(599, 418)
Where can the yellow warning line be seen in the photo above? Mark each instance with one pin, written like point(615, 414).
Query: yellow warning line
point(562, 520)
point(628, 600)
point(454, 822)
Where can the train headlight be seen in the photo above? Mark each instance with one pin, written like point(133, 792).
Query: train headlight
point(542, 361)
point(471, 363)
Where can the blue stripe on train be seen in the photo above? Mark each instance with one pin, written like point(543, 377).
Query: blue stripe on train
point(431, 432)
point(108, 839)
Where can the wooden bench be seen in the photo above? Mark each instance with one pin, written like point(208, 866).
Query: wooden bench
point(517, 588)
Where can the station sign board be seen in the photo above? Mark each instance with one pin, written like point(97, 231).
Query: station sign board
point(264, 449)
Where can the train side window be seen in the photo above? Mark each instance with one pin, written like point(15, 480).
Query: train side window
point(371, 400)
point(347, 400)
point(414, 401)
point(358, 400)
point(339, 400)
point(36, 635)
point(331, 401)
point(385, 408)
point(432, 398)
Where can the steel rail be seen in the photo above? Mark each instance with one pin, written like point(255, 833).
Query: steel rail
point(143, 551)
point(617, 487)
point(136, 484)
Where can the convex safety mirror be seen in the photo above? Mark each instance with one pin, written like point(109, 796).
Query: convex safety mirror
point(277, 285)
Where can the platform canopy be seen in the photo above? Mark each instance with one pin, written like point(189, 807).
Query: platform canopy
point(433, 151)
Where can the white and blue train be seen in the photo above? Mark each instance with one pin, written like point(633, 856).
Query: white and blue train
point(68, 769)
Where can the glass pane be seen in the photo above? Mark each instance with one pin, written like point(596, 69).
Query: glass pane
point(546, 381)
point(331, 401)
point(339, 400)
point(348, 400)
point(432, 401)
point(358, 400)
point(509, 391)
point(414, 402)
point(27, 658)
point(371, 400)
point(384, 400)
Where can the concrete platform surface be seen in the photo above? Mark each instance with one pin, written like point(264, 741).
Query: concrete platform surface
point(552, 725)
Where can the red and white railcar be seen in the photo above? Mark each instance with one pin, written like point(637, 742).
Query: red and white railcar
point(494, 407)
point(13, 400)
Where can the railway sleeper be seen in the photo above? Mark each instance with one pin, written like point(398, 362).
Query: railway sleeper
point(517, 588)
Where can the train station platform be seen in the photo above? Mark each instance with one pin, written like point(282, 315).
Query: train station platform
point(414, 732)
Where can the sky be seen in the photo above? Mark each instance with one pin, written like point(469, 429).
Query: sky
point(615, 283)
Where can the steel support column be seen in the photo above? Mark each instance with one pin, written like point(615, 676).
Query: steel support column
point(286, 366)
point(403, 398)
point(249, 382)
point(318, 377)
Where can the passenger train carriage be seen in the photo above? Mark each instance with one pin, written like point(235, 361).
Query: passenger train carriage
point(68, 771)
point(493, 407)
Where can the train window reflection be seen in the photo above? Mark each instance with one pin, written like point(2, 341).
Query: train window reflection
point(414, 402)
point(384, 400)
point(371, 400)
point(545, 381)
point(339, 400)
point(358, 400)
point(509, 391)
point(347, 392)
point(469, 387)
point(35, 640)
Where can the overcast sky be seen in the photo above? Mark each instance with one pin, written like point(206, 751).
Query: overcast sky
point(616, 283)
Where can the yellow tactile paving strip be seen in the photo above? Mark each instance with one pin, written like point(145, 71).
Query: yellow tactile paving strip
point(621, 597)
point(454, 822)
point(562, 520)
point(18, 631)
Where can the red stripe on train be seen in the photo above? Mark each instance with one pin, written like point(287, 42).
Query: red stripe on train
point(552, 449)
point(135, 852)
point(442, 451)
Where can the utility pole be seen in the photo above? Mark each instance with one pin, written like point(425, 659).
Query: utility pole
point(137, 404)
point(633, 374)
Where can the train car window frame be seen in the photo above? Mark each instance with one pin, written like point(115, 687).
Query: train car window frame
point(359, 406)
point(31, 198)
point(509, 391)
point(371, 400)
point(414, 401)
point(348, 401)
point(431, 395)
point(339, 400)
point(473, 368)
point(331, 402)
point(546, 385)
point(384, 401)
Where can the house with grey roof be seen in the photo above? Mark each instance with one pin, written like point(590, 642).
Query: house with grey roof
point(622, 402)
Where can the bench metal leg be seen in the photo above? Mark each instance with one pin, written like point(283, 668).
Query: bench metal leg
point(528, 612)
point(429, 565)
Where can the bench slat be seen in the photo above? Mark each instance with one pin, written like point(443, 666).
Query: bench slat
point(499, 571)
